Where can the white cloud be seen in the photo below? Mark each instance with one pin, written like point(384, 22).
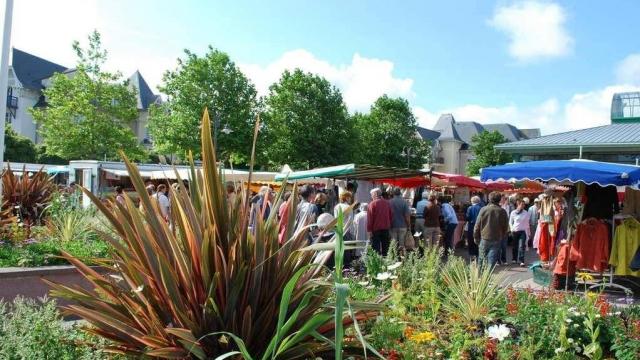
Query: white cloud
point(628, 70)
point(592, 108)
point(535, 30)
point(361, 82)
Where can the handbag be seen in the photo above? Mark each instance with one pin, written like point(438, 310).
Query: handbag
point(409, 241)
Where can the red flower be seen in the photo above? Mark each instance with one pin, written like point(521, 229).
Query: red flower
point(491, 351)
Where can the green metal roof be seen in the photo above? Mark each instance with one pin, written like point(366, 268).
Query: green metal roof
point(607, 136)
point(351, 171)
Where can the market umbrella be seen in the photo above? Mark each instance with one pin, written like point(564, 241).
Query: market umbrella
point(587, 171)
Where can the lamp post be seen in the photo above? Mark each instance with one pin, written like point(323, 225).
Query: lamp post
point(406, 151)
point(4, 78)
point(216, 125)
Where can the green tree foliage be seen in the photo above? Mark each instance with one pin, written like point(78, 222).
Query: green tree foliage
point(18, 148)
point(482, 145)
point(43, 158)
point(89, 111)
point(307, 123)
point(387, 132)
point(212, 82)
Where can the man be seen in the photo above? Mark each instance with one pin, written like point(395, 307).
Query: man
point(306, 210)
point(534, 216)
point(491, 228)
point(505, 203)
point(379, 218)
point(432, 222)
point(519, 226)
point(471, 216)
point(261, 207)
point(451, 223)
point(401, 217)
point(420, 207)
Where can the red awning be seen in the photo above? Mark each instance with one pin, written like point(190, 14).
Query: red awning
point(499, 186)
point(409, 182)
point(460, 180)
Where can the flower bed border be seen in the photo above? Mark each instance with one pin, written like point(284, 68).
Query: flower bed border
point(27, 282)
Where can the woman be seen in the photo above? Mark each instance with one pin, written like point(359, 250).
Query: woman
point(283, 215)
point(119, 195)
point(519, 227)
point(345, 201)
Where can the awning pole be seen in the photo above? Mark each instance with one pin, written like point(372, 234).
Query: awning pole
point(580, 156)
point(4, 78)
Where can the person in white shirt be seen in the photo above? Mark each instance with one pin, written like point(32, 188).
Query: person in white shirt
point(360, 228)
point(163, 201)
point(519, 227)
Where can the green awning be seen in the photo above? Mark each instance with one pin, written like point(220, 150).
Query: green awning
point(352, 171)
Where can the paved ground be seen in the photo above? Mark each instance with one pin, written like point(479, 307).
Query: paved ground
point(518, 277)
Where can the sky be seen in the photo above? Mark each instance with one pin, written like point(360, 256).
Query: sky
point(536, 64)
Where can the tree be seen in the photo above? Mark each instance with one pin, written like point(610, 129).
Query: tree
point(307, 124)
point(388, 133)
point(89, 110)
point(212, 82)
point(18, 148)
point(483, 148)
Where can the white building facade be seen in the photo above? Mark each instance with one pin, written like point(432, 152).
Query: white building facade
point(29, 75)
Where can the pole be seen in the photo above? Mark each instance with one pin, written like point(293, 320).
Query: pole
point(216, 124)
point(4, 78)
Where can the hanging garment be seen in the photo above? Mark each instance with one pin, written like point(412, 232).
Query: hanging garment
point(547, 242)
point(625, 244)
point(566, 261)
point(602, 202)
point(536, 237)
point(631, 203)
point(592, 244)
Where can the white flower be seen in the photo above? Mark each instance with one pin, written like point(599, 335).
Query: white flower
point(597, 316)
point(393, 277)
point(570, 340)
point(578, 349)
point(383, 276)
point(363, 283)
point(394, 266)
point(569, 321)
point(559, 350)
point(575, 325)
point(499, 332)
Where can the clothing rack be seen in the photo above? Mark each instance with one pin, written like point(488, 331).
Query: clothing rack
point(610, 274)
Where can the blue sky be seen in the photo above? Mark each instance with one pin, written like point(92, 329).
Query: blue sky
point(543, 64)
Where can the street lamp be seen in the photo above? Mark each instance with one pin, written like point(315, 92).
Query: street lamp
point(407, 151)
point(216, 125)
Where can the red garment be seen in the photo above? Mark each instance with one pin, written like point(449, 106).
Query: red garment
point(566, 260)
point(379, 215)
point(283, 214)
point(592, 244)
point(547, 242)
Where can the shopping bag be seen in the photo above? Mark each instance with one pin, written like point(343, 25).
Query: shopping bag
point(409, 241)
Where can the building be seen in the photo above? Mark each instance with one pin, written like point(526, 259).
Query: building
point(451, 141)
point(29, 75)
point(617, 142)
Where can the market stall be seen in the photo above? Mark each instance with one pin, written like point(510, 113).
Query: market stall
point(593, 241)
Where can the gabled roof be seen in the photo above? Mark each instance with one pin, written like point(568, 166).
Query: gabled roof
point(31, 70)
point(603, 136)
point(467, 129)
point(427, 134)
point(144, 95)
point(510, 132)
point(445, 126)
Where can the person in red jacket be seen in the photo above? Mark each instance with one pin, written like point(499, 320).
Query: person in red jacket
point(379, 217)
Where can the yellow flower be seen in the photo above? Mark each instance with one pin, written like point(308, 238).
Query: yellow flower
point(584, 276)
point(423, 337)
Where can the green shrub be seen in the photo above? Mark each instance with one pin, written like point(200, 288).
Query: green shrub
point(31, 330)
point(471, 292)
